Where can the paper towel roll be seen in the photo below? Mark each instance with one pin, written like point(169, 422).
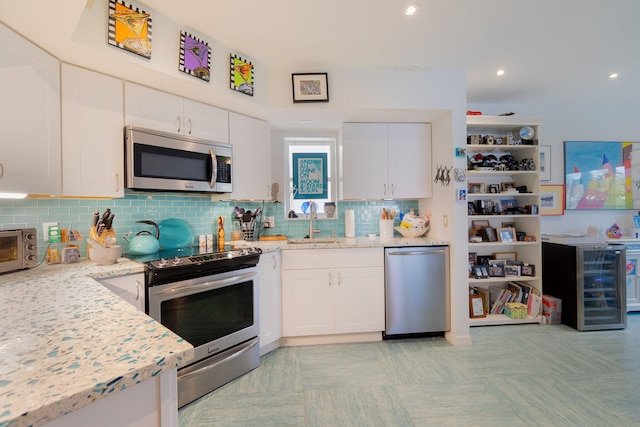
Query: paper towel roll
point(349, 223)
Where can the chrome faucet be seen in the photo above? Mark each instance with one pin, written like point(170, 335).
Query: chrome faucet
point(312, 216)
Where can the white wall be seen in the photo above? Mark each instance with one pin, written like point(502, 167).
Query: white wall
point(577, 123)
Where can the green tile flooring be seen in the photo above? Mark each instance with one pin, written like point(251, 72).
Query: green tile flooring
point(522, 375)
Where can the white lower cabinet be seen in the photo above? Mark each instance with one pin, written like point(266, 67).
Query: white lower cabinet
point(270, 299)
point(332, 291)
point(129, 287)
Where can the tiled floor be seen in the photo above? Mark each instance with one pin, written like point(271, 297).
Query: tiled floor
point(524, 375)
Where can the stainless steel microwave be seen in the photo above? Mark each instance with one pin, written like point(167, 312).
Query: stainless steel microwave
point(18, 249)
point(163, 161)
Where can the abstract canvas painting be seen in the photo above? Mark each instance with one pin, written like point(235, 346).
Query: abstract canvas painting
point(129, 28)
point(602, 175)
point(195, 56)
point(241, 75)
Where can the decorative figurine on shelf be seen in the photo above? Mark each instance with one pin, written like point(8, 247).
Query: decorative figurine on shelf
point(614, 232)
point(220, 233)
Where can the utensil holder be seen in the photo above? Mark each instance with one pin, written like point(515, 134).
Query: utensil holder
point(386, 228)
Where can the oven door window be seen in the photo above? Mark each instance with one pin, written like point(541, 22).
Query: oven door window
point(8, 249)
point(206, 316)
point(159, 162)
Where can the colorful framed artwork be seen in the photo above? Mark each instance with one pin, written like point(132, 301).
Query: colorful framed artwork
point(551, 199)
point(310, 87)
point(195, 56)
point(129, 28)
point(601, 175)
point(241, 75)
point(310, 175)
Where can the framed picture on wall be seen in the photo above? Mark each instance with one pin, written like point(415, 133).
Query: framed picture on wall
point(552, 199)
point(545, 162)
point(310, 87)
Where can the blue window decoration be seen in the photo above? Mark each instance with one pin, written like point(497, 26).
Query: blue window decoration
point(310, 175)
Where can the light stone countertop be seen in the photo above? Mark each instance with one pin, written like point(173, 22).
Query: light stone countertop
point(67, 341)
point(343, 243)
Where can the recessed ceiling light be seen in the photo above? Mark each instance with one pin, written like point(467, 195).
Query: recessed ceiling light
point(305, 122)
point(500, 72)
point(411, 9)
point(613, 75)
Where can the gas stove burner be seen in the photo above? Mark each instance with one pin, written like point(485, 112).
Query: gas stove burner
point(227, 257)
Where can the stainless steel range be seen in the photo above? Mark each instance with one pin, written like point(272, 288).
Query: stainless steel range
point(210, 300)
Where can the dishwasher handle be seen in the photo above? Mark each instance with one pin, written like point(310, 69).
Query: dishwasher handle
point(421, 252)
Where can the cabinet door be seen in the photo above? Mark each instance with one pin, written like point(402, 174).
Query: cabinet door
point(129, 287)
point(409, 146)
point(30, 119)
point(633, 278)
point(206, 121)
point(153, 109)
point(307, 302)
point(364, 161)
point(359, 299)
point(251, 140)
point(92, 137)
point(270, 298)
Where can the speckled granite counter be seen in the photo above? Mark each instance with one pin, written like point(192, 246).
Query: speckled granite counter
point(66, 341)
point(345, 242)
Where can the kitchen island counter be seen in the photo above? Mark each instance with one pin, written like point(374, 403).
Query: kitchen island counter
point(66, 341)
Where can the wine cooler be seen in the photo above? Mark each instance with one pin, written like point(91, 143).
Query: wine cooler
point(591, 282)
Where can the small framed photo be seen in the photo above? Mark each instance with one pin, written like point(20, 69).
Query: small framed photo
point(496, 271)
point(506, 186)
point(473, 257)
point(481, 271)
point(476, 306)
point(508, 224)
point(510, 256)
point(310, 87)
point(494, 188)
point(528, 270)
point(480, 223)
point(490, 233)
point(545, 162)
point(511, 270)
point(471, 208)
point(520, 236)
point(476, 187)
point(507, 234)
point(477, 232)
point(483, 259)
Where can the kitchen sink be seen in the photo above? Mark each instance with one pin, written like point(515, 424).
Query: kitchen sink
point(310, 241)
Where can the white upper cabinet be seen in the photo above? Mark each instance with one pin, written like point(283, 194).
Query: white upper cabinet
point(154, 109)
point(92, 134)
point(251, 168)
point(386, 160)
point(30, 119)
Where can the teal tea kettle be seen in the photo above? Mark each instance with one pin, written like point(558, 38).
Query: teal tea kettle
point(144, 243)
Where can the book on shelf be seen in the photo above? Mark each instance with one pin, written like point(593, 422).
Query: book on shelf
point(517, 291)
point(534, 303)
point(504, 297)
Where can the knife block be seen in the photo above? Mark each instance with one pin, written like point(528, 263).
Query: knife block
point(93, 233)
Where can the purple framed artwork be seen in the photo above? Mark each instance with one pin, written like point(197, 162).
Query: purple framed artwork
point(195, 56)
point(241, 75)
point(129, 28)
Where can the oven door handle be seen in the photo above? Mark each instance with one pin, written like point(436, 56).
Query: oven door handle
point(188, 287)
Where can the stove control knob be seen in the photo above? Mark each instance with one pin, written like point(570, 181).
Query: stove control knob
point(162, 263)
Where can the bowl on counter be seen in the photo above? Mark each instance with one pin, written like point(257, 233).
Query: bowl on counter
point(412, 232)
point(105, 255)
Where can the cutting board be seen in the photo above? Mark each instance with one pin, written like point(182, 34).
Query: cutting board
point(276, 237)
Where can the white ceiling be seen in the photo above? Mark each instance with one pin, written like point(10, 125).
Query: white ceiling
point(552, 51)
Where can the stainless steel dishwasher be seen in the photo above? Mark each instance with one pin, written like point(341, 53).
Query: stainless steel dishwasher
point(416, 290)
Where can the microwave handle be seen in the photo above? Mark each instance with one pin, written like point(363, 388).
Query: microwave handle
point(214, 168)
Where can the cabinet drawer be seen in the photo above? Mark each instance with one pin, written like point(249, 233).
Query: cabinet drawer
point(332, 258)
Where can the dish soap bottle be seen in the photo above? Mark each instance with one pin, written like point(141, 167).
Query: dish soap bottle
point(220, 233)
